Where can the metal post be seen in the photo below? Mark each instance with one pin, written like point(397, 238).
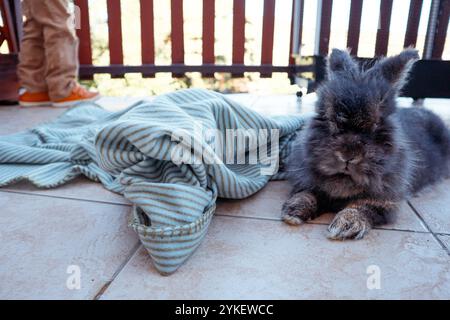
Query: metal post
point(431, 30)
point(296, 45)
point(318, 24)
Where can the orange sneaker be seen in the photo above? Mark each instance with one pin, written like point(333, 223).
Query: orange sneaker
point(33, 99)
point(78, 94)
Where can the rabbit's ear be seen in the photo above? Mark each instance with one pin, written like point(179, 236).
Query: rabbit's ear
point(395, 69)
point(341, 62)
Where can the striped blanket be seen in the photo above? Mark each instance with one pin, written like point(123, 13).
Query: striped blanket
point(146, 153)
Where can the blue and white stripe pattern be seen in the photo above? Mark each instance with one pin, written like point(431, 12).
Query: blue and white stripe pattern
point(130, 152)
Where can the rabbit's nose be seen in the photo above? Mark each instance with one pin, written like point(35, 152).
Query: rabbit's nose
point(344, 158)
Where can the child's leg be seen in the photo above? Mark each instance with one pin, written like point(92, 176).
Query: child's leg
point(61, 48)
point(31, 69)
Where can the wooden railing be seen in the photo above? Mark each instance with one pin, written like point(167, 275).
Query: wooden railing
point(434, 42)
point(178, 66)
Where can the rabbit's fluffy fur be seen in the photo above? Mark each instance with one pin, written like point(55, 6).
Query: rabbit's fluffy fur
point(360, 155)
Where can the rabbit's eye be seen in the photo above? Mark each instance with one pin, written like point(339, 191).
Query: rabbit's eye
point(388, 144)
point(341, 118)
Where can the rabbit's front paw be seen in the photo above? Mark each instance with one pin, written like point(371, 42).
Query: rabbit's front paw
point(299, 208)
point(349, 224)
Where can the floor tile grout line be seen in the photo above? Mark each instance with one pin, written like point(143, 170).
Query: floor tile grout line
point(315, 223)
point(442, 234)
point(224, 215)
point(441, 243)
point(37, 194)
point(247, 217)
point(255, 101)
point(402, 230)
point(105, 287)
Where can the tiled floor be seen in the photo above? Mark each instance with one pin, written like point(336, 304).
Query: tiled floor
point(48, 236)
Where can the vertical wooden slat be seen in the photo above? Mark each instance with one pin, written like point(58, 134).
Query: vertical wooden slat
point(238, 33)
point(381, 45)
point(415, 9)
point(441, 30)
point(6, 32)
point(84, 33)
point(147, 34)
point(267, 35)
point(300, 29)
point(208, 34)
point(9, 82)
point(354, 26)
point(431, 29)
point(9, 30)
point(177, 34)
point(322, 43)
point(115, 34)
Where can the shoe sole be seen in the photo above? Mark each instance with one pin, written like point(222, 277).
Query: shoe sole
point(71, 103)
point(35, 104)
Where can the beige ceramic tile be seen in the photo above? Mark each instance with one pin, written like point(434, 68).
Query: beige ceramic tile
point(80, 188)
point(446, 241)
point(405, 102)
point(267, 203)
point(41, 237)
point(17, 119)
point(290, 104)
point(245, 99)
point(433, 204)
point(256, 259)
point(119, 103)
point(264, 204)
point(284, 104)
point(439, 106)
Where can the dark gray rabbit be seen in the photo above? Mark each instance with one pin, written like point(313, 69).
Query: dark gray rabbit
point(360, 155)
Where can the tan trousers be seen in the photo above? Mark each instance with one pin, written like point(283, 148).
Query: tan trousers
point(48, 59)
